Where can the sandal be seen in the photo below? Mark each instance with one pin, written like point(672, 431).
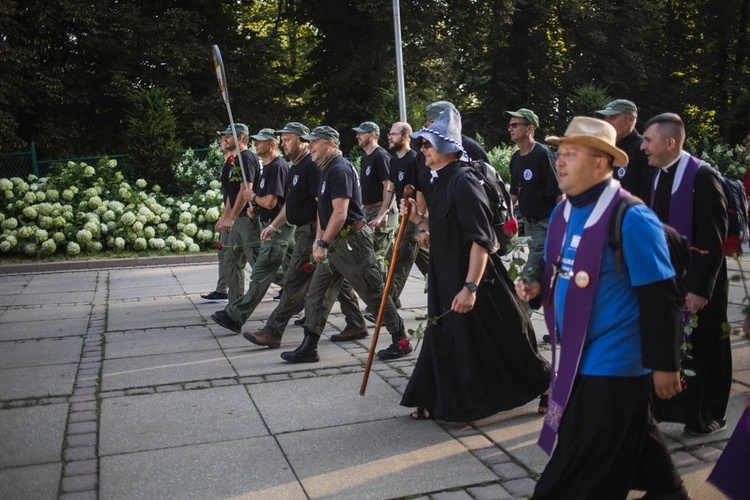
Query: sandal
point(543, 402)
point(420, 414)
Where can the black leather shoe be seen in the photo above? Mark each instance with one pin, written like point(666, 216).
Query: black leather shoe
point(221, 318)
point(371, 318)
point(301, 321)
point(395, 351)
point(307, 352)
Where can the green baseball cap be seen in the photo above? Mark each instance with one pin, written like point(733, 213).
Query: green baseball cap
point(266, 134)
point(619, 106)
point(367, 127)
point(294, 128)
point(432, 111)
point(323, 132)
point(240, 128)
point(526, 114)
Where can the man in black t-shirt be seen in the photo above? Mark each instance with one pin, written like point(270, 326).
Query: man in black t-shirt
point(637, 175)
point(533, 185)
point(377, 191)
point(266, 197)
point(244, 231)
point(300, 210)
point(403, 172)
point(341, 228)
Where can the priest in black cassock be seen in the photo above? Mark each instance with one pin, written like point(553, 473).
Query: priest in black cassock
point(687, 195)
point(480, 357)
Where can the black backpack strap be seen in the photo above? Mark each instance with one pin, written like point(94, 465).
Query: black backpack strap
point(615, 227)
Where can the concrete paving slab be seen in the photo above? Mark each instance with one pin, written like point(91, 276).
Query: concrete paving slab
point(39, 482)
point(151, 291)
point(245, 469)
point(13, 285)
point(517, 432)
point(159, 341)
point(155, 421)
point(62, 282)
point(32, 435)
point(324, 401)
point(385, 459)
point(31, 298)
point(146, 371)
point(48, 312)
point(43, 329)
point(40, 352)
point(162, 312)
point(37, 381)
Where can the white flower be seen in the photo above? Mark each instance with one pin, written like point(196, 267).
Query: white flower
point(67, 195)
point(156, 243)
point(12, 240)
point(178, 246)
point(149, 232)
point(10, 223)
point(41, 235)
point(90, 192)
point(186, 217)
point(58, 237)
point(141, 183)
point(88, 171)
point(59, 221)
point(30, 213)
point(8, 194)
point(96, 246)
point(190, 229)
point(127, 219)
point(214, 184)
point(73, 248)
point(194, 248)
point(92, 227)
point(137, 227)
point(26, 232)
point(140, 244)
point(53, 194)
point(165, 216)
point(46, 222)
point(83, 236)
point(5, 247)
point(40, 196)
point(30, 249)
point(5, 184)
point(48, 247)
point(95, 202)
point(29, 197)
point(119, 243)
point(187, 240)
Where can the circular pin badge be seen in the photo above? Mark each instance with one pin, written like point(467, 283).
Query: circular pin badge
point(582, 279)
point(528, 174)
point(621, 172)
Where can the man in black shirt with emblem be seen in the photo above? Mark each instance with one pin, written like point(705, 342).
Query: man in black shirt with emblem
point(533, 185)
point(403, 171)
point(244, 231)
point(342, 230)
point(637, 175)
point(266, 198)
point(300, 209)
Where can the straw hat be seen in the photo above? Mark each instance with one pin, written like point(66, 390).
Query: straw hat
point(593, 133)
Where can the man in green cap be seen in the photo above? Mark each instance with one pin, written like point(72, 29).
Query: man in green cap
point(244, 231)
point(637, 175)
point(266, 198)
point(342, 230)
point(533, 185)
point(300, 209)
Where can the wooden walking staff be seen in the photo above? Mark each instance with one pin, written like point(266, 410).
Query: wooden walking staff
point(222, 78)
point(408, 193)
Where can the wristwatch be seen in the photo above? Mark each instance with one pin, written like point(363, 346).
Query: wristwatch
point(321, 243)
point(472, 287)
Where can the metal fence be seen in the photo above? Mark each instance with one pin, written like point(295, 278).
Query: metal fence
point(23, 163)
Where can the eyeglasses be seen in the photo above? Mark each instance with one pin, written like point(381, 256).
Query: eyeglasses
point(425, 145)
point(514, 125)
point(393, 134)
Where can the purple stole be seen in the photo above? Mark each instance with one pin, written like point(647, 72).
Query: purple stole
point(681, 202)
point(579, 300)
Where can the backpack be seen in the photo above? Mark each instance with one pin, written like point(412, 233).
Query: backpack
point(736, 197)
point(679, 252)
point(498, 196)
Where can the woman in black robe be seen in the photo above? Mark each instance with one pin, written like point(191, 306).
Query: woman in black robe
point(481, 357)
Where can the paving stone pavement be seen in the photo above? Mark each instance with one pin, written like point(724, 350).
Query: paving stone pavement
point(116, 384)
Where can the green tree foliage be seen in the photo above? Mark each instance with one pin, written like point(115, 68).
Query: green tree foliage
point(67, 69)
point(151, 134)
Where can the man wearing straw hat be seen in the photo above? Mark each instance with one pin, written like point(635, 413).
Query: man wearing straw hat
point(620, 331)
point(343, 249)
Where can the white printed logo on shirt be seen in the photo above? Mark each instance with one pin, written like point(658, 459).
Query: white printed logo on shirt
point(528, 174)
point(323, 187)
point(294, 180)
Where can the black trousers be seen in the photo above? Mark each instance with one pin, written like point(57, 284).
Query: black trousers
point(608, 444)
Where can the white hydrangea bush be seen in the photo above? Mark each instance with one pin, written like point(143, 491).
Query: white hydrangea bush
point(82, 210)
